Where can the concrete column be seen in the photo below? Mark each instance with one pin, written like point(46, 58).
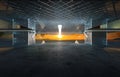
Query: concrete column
point(99, 39)
point(88, 39)
point(13, 24)
point(24, 37)
point(20, 38)
point(31, 35)
point(106, 32)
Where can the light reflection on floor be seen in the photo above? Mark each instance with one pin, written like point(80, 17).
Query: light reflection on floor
point(112, 49)
point(76, 42)
point(59, 59)
point(3, 49)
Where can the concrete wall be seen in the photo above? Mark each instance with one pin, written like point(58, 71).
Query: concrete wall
point(17, 38)
point(4, 24)
point(112, 38)
point(112, 25)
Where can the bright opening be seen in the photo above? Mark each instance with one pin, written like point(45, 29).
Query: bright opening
point(59, 31)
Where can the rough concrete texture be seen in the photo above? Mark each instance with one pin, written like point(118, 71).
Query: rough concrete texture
point(59, 60)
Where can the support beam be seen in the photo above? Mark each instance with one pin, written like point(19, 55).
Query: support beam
point(114, 8)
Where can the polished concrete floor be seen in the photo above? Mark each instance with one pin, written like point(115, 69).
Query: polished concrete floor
point(60, 59)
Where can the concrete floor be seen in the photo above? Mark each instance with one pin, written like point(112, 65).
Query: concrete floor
point(59, 59)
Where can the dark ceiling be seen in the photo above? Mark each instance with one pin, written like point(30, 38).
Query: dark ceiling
point(51, 9)
point(53, 12)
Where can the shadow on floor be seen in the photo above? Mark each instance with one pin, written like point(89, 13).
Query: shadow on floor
point(59, 60)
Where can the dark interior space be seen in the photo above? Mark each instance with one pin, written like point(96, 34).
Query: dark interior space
point(59, 38)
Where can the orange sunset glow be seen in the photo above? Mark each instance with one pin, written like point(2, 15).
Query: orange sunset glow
point(113, 35)
point(110, 36)
point(63, 37)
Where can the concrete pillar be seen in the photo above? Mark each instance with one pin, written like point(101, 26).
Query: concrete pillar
point(31, 34)
point(13, 24)
point(88, 39)
point(99, 39)
point(20, 38)
point(96, 38)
